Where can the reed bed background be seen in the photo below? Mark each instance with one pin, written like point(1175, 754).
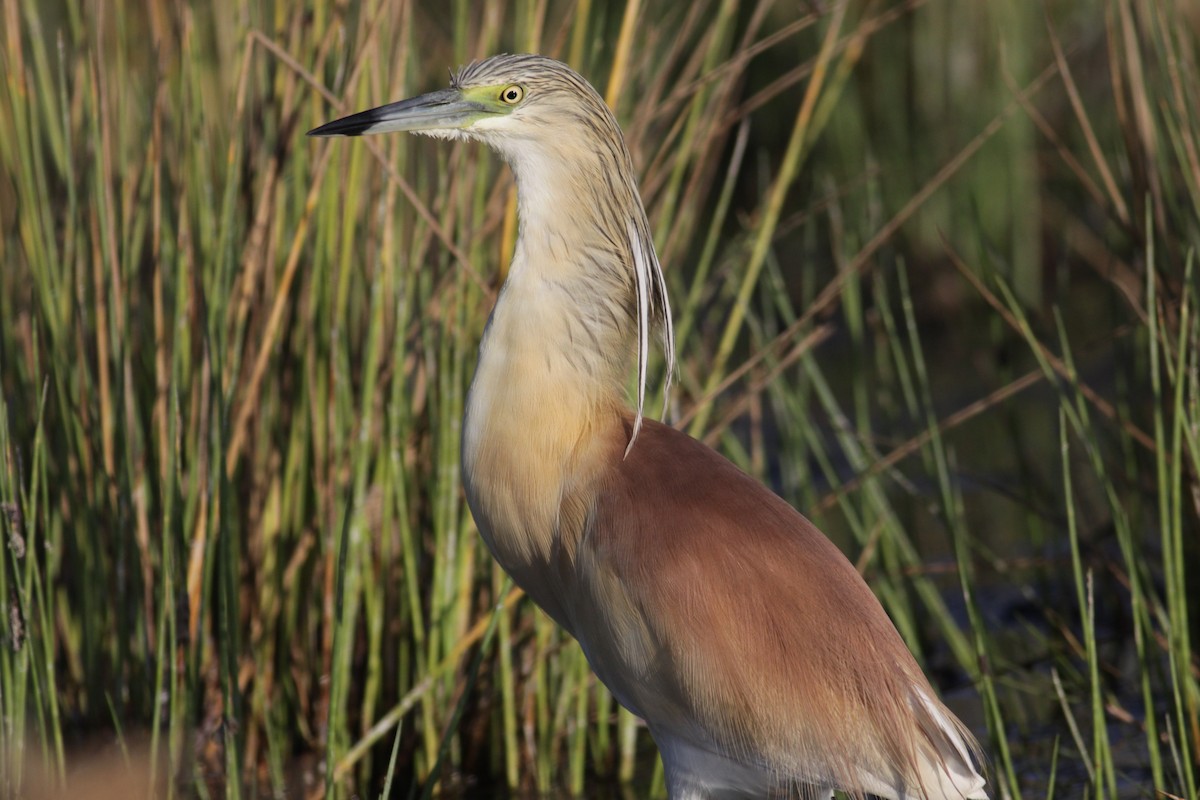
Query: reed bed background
point(933, 266)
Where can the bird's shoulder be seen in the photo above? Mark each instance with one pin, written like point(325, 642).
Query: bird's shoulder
point(674, 501)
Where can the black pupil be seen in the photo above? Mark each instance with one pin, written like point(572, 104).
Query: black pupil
point(511, 94)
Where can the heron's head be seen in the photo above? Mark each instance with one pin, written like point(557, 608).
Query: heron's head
point(505, 101)
point(575, 178)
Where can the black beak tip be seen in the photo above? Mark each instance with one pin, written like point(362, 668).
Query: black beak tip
point(353, 125)
point(336, 129)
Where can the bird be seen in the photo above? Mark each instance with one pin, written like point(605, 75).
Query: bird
point(761, 662)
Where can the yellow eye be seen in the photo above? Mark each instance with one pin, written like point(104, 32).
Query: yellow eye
point(512, 94)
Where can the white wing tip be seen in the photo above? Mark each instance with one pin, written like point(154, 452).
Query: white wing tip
point(951, 774)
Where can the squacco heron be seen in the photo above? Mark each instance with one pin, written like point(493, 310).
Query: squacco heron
point(761, 662)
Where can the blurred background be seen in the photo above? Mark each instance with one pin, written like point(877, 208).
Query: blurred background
point(932, 266)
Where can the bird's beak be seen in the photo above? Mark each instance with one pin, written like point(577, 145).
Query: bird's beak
point(445, 109)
